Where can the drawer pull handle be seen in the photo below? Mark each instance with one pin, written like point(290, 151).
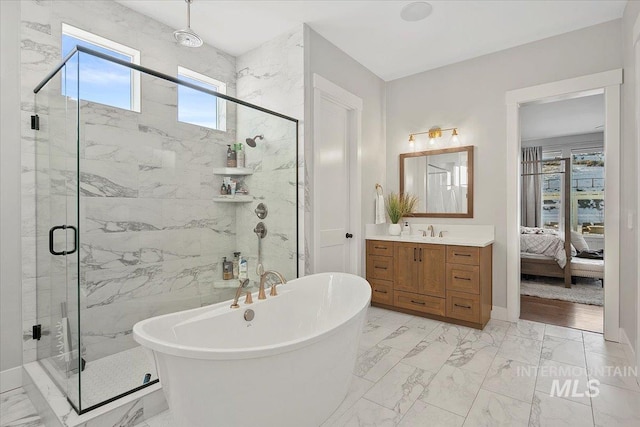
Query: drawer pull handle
point(414, 254)
point(380, 247)
point(382, 292)
point(420, 254)
point(461, 278)
point(463, 306)
point(418, 302)
point(457, 254)
point(380, 268)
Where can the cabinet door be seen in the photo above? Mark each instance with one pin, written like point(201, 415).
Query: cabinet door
point(406, 267)
point(432, 270)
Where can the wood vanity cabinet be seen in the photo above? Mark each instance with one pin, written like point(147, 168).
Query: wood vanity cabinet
point(451, 283)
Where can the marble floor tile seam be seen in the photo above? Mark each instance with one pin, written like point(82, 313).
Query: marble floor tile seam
point(409, 410)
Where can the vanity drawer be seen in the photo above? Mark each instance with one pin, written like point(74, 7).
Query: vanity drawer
point(379, 267)
point(381, 291)
point(463, 255)
point(379, 247)
point(463, 278)
point(423, 303)
point(463, 306)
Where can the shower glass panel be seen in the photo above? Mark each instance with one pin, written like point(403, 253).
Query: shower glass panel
point(145, 193)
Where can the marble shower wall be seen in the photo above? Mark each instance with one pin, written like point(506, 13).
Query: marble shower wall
point(152, 238)
point(272, 76)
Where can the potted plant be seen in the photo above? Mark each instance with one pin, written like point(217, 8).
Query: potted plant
point(399, 205)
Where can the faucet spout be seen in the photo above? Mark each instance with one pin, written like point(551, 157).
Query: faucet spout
point(263, 280)
point(243, 284)
point(433, 232)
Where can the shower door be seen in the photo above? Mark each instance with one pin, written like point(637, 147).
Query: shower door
point(56, 240)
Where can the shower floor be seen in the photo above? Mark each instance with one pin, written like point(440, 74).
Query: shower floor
point(106, 378)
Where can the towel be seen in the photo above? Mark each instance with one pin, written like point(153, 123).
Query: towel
point(380, 210)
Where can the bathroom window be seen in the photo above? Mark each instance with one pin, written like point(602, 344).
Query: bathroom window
point(101, 81)
point(199, 108)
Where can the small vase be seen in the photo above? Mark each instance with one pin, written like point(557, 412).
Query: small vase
point(394, 229)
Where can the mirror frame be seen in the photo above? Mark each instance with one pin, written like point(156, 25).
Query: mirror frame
point(470, 154)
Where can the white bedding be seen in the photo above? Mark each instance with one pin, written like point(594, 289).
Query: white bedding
point(549, 244)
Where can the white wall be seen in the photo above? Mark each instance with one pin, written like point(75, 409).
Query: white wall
point(10, 262)
point(326, 60)
point(470, 95)
point(629, 258)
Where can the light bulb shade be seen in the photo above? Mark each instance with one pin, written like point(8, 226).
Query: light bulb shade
point(454, 137)
point(411, 139)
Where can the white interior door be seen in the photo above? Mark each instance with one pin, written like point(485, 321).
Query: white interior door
point(333, 132)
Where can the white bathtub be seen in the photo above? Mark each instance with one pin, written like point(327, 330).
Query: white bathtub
point(290, 366)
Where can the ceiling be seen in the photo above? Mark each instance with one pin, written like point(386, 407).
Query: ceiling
point(574, 116)
point(373, 33)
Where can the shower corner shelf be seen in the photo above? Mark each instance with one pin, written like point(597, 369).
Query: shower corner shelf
point(239, 198)
point(232, 171)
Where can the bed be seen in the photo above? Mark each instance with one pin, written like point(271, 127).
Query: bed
point(552, 262)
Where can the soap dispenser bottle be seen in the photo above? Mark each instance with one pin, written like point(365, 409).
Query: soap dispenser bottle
point(406, 229)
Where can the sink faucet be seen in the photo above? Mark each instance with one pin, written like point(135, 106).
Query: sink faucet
point(263, 280)
point(433, 232)
point(442, 235)
point(243, 284)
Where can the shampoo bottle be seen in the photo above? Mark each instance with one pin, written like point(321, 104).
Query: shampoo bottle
point(236, 265)
point(241, 156)
point(230, 157)
point(244, 268)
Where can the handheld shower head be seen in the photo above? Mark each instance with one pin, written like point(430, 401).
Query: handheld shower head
point(187, 37)
point(251, 142)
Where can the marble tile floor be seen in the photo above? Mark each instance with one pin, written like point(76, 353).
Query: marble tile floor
point(413, 371)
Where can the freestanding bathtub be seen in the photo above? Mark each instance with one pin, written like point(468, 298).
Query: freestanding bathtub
point(289, 366)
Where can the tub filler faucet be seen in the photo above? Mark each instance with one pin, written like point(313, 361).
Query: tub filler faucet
point(243, 285)
point(263, 279)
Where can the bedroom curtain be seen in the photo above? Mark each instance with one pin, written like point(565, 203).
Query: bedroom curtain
point(531, 207)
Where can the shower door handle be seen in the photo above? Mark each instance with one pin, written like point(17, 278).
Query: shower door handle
point(75, 239)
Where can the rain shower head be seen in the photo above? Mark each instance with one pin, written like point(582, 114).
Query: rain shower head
point(251, 142)
point(187, 37)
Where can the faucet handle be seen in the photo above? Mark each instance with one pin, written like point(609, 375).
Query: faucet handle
point(248, 299)
point(273, 292)
point(442, 235)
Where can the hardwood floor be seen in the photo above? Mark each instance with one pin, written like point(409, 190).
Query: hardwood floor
point(562, 313)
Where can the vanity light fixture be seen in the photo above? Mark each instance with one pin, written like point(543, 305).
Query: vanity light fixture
point(435, 132)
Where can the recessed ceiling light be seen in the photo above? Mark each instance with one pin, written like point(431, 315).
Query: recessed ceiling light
point(416, 11)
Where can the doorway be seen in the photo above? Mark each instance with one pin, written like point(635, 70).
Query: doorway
point(563, 194)
point(336, 179)
point(607, 83)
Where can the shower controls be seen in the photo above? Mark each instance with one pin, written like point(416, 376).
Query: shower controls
point(260, 230)
point(261, 211)
point(249, 315)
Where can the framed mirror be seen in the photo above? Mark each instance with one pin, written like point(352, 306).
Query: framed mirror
point(441, 179)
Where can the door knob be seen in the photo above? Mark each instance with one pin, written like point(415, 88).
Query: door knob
point(348, 235)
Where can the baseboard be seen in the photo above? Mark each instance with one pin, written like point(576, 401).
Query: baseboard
point(10, 379)
point(629, 351)
point(499, 313)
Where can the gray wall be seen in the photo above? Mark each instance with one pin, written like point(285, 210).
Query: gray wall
point(471, 96)
point(333, 64)
point(10, 262)
point(629, 183)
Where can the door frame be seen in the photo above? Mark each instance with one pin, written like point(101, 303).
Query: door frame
point(607, 82)
point(325, 89)
point(636, 54)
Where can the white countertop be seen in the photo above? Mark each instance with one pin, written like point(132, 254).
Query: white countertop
point(454, 234)
point(446, 240)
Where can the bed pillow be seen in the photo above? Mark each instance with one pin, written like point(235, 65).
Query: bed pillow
point(578, 241)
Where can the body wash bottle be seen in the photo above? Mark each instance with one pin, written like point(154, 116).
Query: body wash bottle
point(244, 269)
point(241, 160)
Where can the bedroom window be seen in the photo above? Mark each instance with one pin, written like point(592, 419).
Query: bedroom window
point(587, 191)
point(199, 108)
point(551, 190)
point(103, 82)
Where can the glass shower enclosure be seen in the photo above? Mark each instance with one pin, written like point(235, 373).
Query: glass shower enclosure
point(133, 217)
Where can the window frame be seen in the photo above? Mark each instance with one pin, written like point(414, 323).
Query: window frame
point(134, 54)
point(221, 104)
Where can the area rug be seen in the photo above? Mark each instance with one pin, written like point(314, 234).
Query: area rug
point(585, 291)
